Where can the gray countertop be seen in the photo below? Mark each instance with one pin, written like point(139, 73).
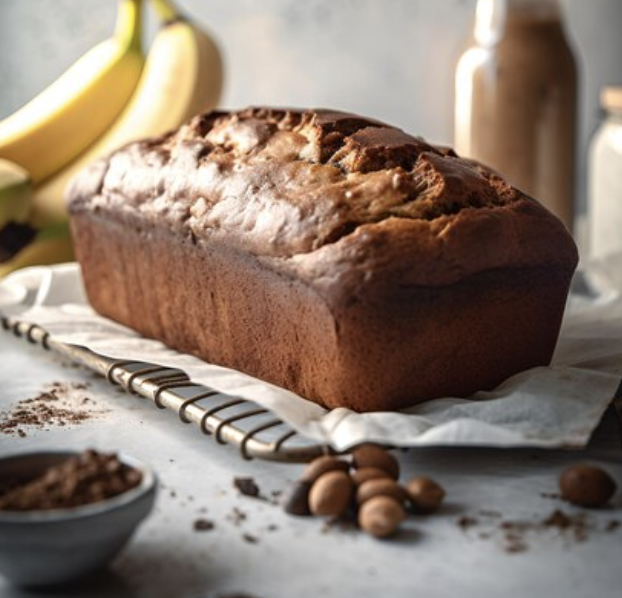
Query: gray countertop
point(256, 549)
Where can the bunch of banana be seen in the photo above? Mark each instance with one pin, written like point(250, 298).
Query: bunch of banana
point(22, 245)
point(63, 120)
point(181, 77)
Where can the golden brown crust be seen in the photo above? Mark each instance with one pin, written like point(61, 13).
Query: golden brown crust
point(287, 183)
point(324, 252)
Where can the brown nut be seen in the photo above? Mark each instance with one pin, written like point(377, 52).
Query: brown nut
point(322, 465)
point(359, 476)
point(331, 493)
point(381, 516)
point(372, 455)
point(296, 501)
point(586, 486)
point(380, 487)
point(424, 494)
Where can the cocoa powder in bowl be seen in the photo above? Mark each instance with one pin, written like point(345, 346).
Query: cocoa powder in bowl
point(80, 480)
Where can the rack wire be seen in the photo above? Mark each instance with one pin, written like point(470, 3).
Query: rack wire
point(231, 420)
point(228, 419)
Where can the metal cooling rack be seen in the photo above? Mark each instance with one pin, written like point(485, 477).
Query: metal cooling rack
point(229, 419)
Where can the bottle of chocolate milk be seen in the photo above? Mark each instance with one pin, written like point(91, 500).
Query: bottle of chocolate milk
point(516, 100)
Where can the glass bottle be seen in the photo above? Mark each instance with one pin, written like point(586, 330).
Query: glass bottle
point(516, 100)
point(605, 178)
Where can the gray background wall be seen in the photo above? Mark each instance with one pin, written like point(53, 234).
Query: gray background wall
point(393, 59)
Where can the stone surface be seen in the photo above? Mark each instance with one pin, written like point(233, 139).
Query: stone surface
point(437, 555)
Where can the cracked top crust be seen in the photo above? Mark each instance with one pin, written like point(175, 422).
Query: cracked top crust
point(322, 193)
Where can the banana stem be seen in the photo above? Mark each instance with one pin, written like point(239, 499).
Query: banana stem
point(129, 23)
point(166, 10)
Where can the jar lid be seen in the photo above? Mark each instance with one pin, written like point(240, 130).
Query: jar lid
point(611, 98)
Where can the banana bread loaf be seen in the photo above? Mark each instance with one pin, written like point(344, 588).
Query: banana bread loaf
point(324, 252)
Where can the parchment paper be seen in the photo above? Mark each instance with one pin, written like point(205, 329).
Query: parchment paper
point(556, 406)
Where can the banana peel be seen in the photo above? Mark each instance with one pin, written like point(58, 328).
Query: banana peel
point(51, 245)
point(15, 193)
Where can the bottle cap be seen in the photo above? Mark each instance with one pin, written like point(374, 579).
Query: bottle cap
point(611, 98)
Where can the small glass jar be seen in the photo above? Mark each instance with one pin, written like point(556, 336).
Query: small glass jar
point(605, 178)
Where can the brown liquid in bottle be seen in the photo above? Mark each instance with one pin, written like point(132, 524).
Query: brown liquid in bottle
point(516, 100)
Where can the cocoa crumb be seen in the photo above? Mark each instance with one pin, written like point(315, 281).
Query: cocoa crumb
point(250, 538)
point(613, 525)
point(489, 513)
point(203, 525)
point(7, 485)
point(514, 543)
point(515, 525)
point(343, 524)
point(552, 495)
point(237, 516)
point(578, 525)
point(558, 519)
point(86, 478)
point(56, 405)
point(514, 534)
point(466, 522)
point(248, 487)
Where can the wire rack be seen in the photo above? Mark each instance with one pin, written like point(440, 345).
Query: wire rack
point(228, 419)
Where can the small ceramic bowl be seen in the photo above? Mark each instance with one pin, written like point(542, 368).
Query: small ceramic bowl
point(44, 548)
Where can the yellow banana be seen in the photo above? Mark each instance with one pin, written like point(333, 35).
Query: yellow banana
point(182, 76)
point(68, 116)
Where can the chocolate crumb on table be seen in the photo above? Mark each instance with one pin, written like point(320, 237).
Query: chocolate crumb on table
point(55, 406)
point(337, 523)
point(237, 516)
point(466, 522)
point(578, 525)
point(248, 487)
point(517, 535)
point(551, 495)
point(613, 525)
point(558, 519)
point(250, 538)
point(514, 542)
point(203, 525)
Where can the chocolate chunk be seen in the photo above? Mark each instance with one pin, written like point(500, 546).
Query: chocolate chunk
point(203, 525)
point(247, 487)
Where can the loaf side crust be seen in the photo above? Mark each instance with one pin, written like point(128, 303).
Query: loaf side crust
point(225, 307)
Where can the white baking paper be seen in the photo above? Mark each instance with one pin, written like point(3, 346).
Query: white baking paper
point(556, 406)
